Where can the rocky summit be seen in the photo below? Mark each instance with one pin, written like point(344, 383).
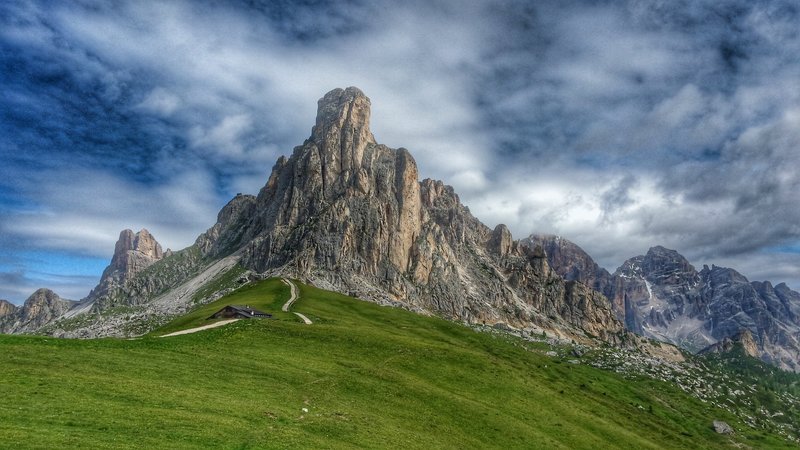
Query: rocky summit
point(347, 213)
point(133, 253)
point(350, 214)
point(662, 296)
point(6, 308)
point(41, 308)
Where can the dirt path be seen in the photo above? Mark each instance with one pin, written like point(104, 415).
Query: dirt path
point(292, 298)
point(305, 319)
point(204, 327)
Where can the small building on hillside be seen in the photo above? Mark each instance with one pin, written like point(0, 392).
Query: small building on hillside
point(239, 312)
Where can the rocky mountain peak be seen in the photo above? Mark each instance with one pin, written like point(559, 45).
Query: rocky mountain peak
point(668, 265)
point(665, 298)
point(570, 261)
point(133, 253)
point(142, 242)
point(343, 110)
point(147, 245)
point(501, 243)
point(722, 275)
point(7, 308)
point(347, 213)
point(231, 221)
point(42, 297)
point(340, 136)
point(39, 309)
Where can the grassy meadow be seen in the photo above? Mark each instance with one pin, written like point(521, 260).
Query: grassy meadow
point(361, 376)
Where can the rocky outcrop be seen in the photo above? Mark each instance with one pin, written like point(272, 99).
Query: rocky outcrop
point(721, 427)
point(667, 299)
point(132, 254)
point(350, 214)
point(138, 272)
point(227, 234)
point(42, 307)
point(662, 296)
point(572, 263)
point(734, 304)
point(659, 292)
point(7, 308)
point(744, 339)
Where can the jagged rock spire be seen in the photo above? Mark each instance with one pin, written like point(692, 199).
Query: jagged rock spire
point(39, 309)
point(350, 214)
point(133, 253)
point(343, 112)
point(341, 134)
point(143, 244)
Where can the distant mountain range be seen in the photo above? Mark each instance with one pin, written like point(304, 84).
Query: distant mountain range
point(662, 296)
point(348, 214)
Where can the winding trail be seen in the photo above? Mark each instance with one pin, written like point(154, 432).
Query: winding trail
point(305, 319)
point(292, 298)
point(204, 327)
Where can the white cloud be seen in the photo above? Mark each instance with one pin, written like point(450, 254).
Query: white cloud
point(626, 128)
point(83, 212)
point(161, 102)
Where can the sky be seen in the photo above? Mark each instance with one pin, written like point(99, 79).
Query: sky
point(619, 125)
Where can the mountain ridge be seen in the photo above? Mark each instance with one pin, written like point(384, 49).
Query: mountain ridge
point(39, 309)
point(349, 214)
point(388, 236)
point(662, 296)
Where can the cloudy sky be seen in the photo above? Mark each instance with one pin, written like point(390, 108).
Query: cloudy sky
point(619, 125)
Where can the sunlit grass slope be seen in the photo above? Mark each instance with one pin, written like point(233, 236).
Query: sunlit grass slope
point(360, 376)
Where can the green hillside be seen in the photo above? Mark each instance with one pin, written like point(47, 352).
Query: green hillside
point(360, 376)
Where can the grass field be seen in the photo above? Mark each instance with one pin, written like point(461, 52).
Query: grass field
point(360, 376)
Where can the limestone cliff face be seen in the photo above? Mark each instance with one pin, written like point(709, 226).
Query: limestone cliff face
point(6, 308)
point(572, 263)
point(662, 296)
point(133, 253)
point(743, 338)
point(350, 214)
point(39, 309)
point(227, 233)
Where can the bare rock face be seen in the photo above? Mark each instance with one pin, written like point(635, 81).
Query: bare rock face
point(744, 338)
point(6, 308)
point(39, 309)
point(734, 304)
point(8, 315)
point(662, 296)
point(572, 263)
point(350, 214)
point(501, 242)
point(667, 299)
point(656, 289)
point(231, 220)
point(132, 254)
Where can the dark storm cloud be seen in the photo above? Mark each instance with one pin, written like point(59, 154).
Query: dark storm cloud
point(619, 125)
